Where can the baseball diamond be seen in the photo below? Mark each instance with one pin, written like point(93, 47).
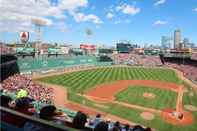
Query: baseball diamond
point(122, 89)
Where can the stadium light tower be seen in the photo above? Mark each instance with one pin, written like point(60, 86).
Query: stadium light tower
point(88, 33)
point(38, 24)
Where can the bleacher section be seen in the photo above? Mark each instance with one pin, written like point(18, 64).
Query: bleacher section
point(186, 65)
point(133, 59)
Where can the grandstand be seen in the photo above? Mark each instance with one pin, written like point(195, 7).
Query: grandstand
point(186, 64)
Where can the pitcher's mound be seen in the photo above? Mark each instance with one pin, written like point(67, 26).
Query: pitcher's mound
point(149, 95)
point(190, 107)
point(147, 116)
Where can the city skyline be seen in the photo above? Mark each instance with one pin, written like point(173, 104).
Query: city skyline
point(139, 21)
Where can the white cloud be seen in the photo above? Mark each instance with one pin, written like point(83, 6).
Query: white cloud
point(127, 21)
point(15, 26)
point(195, 9)
point(21, 12)
point(128, 9)
point(159, 22)
point(62, 26)
point(80, 17)
point(72, 5)
point(18, 14)
point(160, 2)
point(109, 15)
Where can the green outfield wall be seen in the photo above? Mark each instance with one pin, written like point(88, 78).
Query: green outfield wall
point(46, 63)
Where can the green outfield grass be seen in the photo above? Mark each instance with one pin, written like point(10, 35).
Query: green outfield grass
point(83, 80)
point(79, 82)
point(134, 95)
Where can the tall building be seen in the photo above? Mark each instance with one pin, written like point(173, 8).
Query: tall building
point(185, 40)
point(177, 38)
point(166, 42)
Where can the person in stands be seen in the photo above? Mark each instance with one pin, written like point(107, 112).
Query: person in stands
point(115, 129)
point(95, 121)
point(21, 105)
point(5, 100)
point(126, 128)
point(50, 113)
point(138, 128)
point(148, 129)
point(101, 126)
point(117, 125)
point(110, 124)
point(79, 120)
point(47, 113)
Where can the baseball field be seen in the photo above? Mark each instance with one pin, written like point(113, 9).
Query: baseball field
point(133, 93)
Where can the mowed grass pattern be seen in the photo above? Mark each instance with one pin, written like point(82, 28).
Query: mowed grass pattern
point(82, 80)
point(134, 95)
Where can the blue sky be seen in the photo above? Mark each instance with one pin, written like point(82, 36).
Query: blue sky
point(140, 21)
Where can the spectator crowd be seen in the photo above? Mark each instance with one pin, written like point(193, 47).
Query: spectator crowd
point(35, 91)
point(194, 56)
point(134, 59)
point(189, 71)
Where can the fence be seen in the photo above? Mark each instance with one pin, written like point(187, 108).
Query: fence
point(46, 63)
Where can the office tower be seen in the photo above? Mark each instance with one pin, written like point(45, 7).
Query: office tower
point(177, 38)
point(185, 40)
point(166, 42)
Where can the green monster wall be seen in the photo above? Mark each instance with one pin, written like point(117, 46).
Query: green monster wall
point(46, 63)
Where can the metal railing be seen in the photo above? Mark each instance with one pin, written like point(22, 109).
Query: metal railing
point(44, 123)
